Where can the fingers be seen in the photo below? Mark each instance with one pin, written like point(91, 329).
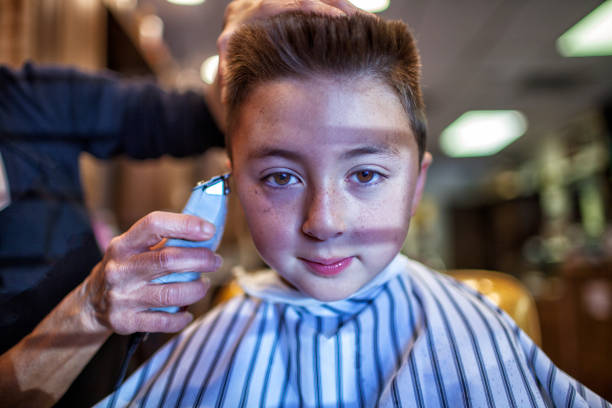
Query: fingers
point(153, 322)
point(329, 7)
point(172, 294)
point(175, 259)
point(119, 290)
point(129, 312)
point(346, 6)
point(149, 265)
point(157, 225)
point(159, 322)
point(153, 295)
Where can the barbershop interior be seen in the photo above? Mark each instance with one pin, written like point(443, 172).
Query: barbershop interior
point(518, 95)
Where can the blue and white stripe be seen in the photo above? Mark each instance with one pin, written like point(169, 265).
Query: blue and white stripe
point(410, 338)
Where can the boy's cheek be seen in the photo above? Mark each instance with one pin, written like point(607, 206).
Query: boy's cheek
point(391, 209)
point(266, 218)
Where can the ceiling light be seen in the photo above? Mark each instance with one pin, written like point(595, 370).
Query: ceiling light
point(482, 133)
point(373, 6)
point(591, 36)
point(208, 70)
point(186, 2)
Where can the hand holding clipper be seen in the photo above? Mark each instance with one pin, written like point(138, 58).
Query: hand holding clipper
point(208, 200)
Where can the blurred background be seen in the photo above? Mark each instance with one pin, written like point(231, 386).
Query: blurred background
point(538, 205)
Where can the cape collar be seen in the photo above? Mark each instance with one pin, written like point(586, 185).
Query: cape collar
point(268, 286)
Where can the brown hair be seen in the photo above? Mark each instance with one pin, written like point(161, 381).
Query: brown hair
point(303, 45)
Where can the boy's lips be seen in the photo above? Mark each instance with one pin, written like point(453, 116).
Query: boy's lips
point(327, 267)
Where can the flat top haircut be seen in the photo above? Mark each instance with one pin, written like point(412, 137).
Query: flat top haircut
point(306, 46)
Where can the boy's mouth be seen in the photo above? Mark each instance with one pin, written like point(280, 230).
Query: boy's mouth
point(327, 267)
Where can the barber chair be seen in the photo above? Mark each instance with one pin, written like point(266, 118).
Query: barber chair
point(508, 293)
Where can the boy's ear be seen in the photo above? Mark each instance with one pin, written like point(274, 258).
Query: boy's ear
point(420, 184)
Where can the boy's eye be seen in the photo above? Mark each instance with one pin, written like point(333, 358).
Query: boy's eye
point(280, 179)
point(366, 176)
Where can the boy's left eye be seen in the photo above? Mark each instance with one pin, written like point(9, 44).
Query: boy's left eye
point(366, 176)
point(280, 179)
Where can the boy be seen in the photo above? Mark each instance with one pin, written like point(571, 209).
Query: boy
point(326, 136)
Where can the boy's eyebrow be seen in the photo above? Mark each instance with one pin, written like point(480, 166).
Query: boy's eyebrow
point(380, 150)
point(266, 151)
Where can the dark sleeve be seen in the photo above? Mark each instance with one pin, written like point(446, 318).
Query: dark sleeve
point(104, 115)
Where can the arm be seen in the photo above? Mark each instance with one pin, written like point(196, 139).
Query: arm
point(41, 367)
point(115, 297)
point(103, 114)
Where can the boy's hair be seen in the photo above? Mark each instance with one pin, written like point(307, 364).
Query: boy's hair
point(305, 45)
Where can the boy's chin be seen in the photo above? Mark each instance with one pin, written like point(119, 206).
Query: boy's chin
point(331, 297)
point(321, 294)
point(330, 293)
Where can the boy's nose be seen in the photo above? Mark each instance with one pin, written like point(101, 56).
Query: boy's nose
point(324, 215)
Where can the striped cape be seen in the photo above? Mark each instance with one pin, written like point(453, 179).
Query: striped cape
point(410, 338)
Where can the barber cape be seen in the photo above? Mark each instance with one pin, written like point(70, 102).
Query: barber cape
point(409, 338)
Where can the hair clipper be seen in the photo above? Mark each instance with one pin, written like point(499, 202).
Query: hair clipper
point(208, 200)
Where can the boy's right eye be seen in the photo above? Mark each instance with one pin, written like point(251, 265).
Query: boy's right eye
point(281, 179)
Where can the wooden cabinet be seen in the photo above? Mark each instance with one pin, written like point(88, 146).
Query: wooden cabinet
point(53, 31)
point(576, 324)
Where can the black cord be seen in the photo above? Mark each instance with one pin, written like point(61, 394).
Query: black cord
point(134, 342)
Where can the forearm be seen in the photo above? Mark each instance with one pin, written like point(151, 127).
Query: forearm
point(40, 368)
point(106, 115)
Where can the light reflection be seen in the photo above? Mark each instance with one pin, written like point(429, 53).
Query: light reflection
point(208, 70)
point(494, 297)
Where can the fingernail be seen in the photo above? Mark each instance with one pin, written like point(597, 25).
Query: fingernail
point(208, 228)
point(218, 261)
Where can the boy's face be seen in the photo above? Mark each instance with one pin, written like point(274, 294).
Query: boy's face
point(327, 172)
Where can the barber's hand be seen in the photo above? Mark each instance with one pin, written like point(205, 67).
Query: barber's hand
point(119, 290)
point(239, 12)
